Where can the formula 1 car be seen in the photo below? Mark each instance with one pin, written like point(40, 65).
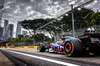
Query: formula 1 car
point(89, 42)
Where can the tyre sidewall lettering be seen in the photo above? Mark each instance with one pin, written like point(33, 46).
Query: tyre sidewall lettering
point(72, 48)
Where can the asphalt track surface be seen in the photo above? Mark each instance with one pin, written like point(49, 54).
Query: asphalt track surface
point(32, 57)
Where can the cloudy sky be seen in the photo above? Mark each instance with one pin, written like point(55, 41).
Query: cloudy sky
point(18, 10)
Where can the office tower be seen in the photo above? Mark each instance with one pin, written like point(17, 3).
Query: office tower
point(18, 30)
point(1, 9)
point(11, 29)
point(24, 33)
point(7, 35)
point(5, 27)
point(1, 32)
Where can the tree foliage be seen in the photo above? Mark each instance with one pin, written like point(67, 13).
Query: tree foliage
point(81, 18)
point(41, 37)
point(96, 18)
point(20, 38)
point(33, 24)
point(78, 19)
point(88, 19)
point(92, 19)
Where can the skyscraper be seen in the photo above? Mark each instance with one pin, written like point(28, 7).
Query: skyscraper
point(7, 35)
point(24, 32)
point(11, 28)
point(1, 9)
point(1, 32)
point(5, 27)
point(18, 30)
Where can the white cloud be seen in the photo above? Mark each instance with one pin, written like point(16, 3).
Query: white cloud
point(8, 3)
point(92, 4)
point(32, 0)
point(28, 7)
point(55, 2)
point(9, 14)
point(30, 18)
point(18, 10)
point(7, 7)
point(30, 13)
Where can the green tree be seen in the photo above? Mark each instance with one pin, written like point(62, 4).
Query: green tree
point(92, 19)
point(32, 24)
point(29, 39)
point(96, 18)
point(11, 40)
point(41, 37)
point(88, 19)
point(56, 26)
point(78, 19)
point(20, 37)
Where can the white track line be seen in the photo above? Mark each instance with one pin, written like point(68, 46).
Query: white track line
point(46, 59)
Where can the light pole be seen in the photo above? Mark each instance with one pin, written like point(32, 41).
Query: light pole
point(90, 1)
point(72, 20)
point(72, 11)
point(43, 36)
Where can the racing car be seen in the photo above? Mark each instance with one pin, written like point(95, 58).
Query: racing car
point(89, 42)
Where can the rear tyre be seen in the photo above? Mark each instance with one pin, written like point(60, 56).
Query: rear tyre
point(72, 47)
point(95, 50)
point(85, 52)
point(42, 48)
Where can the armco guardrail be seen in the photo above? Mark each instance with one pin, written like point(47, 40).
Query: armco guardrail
point(32, 47)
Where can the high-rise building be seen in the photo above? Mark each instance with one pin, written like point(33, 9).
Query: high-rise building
point(11, 29)
point(24, 32)
point(18, 30)
point(7, 35)
point(1, 9)
point(5, 27)
point(1, 32)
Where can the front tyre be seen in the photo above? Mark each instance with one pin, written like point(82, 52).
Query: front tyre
point(42, 48)
point(72, 47)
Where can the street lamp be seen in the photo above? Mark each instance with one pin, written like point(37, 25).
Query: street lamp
point(71, 3)
point(79, 9)
point(72, 10)
point(73, 29)
point(66, 14)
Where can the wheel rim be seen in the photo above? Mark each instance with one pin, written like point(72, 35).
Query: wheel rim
point(68, 47)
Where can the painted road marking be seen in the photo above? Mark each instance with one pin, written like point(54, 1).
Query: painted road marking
point(46, 59)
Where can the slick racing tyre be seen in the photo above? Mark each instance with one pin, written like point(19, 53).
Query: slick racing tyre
point(42, 48)
point(72, 47)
